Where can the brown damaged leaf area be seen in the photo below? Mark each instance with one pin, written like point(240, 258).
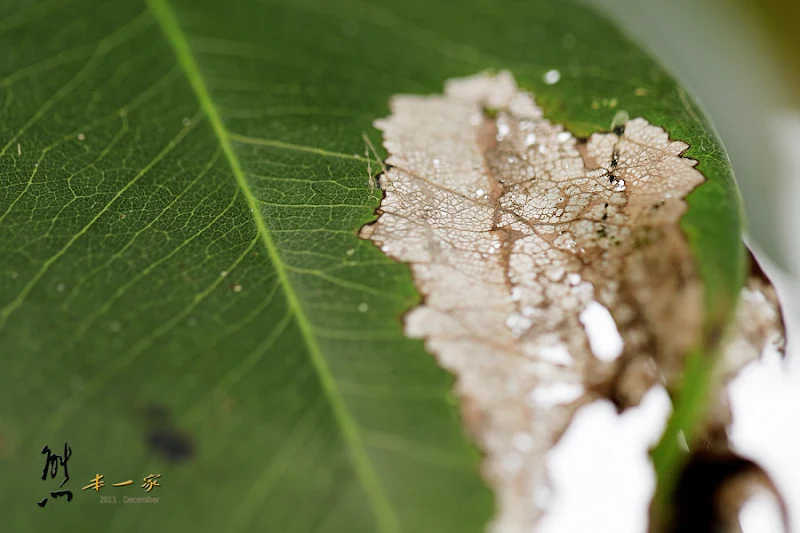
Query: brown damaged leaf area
point(758, 326)
point(553, 269)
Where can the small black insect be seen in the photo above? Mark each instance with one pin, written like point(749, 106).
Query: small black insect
point(163, 438)
point(170, 444)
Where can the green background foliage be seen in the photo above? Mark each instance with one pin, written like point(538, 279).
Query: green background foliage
point(182, 288)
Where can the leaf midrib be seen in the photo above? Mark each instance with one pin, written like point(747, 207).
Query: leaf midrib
point(378, 501)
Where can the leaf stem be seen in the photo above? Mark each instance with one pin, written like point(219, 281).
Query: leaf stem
point(689, 408)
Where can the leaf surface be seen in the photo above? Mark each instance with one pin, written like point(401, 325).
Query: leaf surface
point(182, 288)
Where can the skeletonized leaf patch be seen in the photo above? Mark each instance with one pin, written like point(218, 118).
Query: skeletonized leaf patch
point(553, 269)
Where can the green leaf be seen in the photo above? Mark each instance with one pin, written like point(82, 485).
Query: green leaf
point(182, 288)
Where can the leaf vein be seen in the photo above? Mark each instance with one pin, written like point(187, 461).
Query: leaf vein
point(384, 513)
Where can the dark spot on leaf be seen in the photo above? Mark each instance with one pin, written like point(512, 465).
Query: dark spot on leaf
point(170, 444)
point(163, 438)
